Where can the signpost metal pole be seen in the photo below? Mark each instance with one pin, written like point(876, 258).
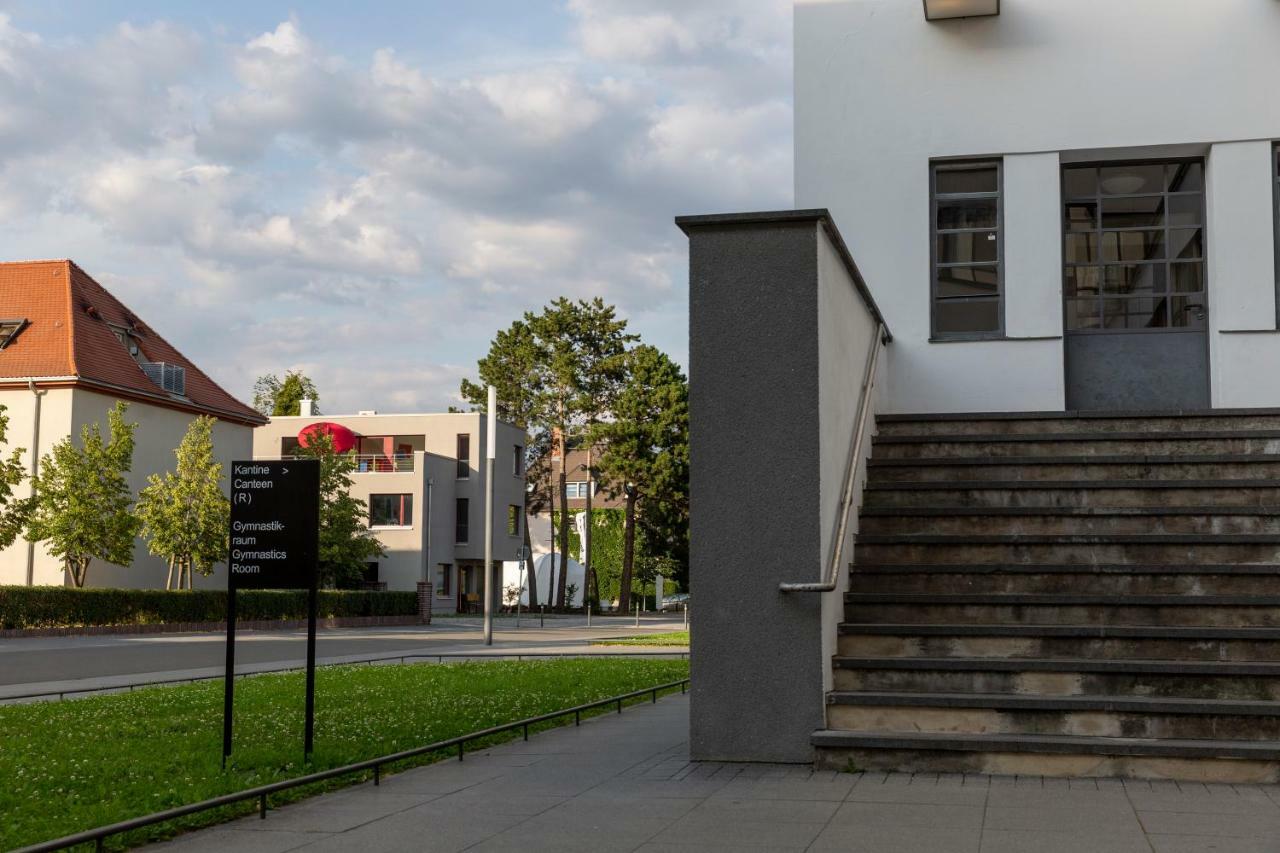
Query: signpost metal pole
point(229, 681)
point(491, 453)
point(309, 732)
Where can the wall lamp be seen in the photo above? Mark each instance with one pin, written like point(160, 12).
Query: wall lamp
point(941, 10)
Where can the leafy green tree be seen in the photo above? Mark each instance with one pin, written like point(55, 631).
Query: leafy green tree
point(82, 503)
point(346, 542)
point(563, 366)
point(274, 396)
point(645, 449)
point(13, 511)
point(184, 513)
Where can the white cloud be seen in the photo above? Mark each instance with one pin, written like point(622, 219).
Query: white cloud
point(373, 220)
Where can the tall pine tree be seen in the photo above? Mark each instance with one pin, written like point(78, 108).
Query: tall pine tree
point(645, 454)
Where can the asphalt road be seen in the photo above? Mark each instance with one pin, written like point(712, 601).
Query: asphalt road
point(66, 663)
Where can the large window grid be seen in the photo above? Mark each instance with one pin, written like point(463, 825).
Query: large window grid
point(967, 219)
point(1134, 247)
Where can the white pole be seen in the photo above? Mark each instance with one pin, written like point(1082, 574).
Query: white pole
point(491, 453)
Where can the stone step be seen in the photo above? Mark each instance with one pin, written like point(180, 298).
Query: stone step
point(1096, 716)
point(1040, 521)
point(1218, 611)
point(1050, 755)
point(1080, 444)
point(1237, 680)
point(1227, 466)
point(1106, 642)
point(1038, 423)
point(1141, 549)
point(1015, 493)
point(1191, 579)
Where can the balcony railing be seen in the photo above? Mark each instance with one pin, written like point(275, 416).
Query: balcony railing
point(377, 463)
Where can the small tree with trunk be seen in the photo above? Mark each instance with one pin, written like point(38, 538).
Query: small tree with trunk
point(184, 513)
point(346, 542)
point(274, 396)
point(13, 512)
point(645, 446)
point(82, 504)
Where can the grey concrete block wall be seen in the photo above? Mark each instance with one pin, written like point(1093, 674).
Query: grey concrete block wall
point(755, 516)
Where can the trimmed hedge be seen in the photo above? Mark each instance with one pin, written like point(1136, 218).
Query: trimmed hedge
point(64, 607)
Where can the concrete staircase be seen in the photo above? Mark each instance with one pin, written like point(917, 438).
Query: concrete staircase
point(1065, 595)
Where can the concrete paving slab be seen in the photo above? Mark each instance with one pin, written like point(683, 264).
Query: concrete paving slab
point(624, 783)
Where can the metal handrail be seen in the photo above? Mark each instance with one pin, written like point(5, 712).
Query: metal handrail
point(439, 656)
point(851, 471)
point(261, 792)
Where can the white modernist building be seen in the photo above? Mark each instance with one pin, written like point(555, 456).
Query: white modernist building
point(1068, 205)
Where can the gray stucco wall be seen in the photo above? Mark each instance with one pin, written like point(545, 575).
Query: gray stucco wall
point(757, 655)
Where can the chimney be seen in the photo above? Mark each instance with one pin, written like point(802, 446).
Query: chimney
point(306, 407)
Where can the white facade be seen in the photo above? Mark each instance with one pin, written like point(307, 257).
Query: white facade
point(881, 94)
point(415, 457)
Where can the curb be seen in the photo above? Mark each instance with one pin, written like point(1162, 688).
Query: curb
point(190, 627)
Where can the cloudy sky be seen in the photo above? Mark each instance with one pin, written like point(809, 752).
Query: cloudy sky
point(368, 196)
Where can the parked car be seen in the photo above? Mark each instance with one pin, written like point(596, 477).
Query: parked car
point(676, 602)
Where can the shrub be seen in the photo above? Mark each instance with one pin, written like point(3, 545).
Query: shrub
point(63, 607)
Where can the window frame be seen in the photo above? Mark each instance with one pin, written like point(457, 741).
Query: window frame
point(462, 470)
point(406, 511)
point(945, 164)
point(513, 520)
point(462, 520)
point(517, 463)
point(1064, 201)
point(445, 570)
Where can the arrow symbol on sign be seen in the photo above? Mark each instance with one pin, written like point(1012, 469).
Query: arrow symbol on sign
point(284, 470)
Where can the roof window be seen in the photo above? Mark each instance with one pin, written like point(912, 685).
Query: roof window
point(10, 329)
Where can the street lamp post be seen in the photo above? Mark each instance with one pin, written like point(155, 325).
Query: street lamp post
point(491, 453)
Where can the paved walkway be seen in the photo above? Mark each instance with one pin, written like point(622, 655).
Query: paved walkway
point(624, 783)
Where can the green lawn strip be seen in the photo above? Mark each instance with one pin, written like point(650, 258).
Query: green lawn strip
point(670, 638)
point(89, 762)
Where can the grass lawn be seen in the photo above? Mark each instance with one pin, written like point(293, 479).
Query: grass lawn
point(670, 638)
point(82, 763)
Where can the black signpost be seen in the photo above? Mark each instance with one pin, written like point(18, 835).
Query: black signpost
point(275, 529)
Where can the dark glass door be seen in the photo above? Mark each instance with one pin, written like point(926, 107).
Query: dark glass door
point(1135, 306)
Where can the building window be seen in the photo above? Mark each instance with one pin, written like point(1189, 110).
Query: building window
point(10, 329)
point(462, 521)
point(464, 456)
point(444, 580)
point(513, 520)
point(1133, 246)
point(967, 221)
point(289, 446)
point(517, 463)
point(578, 489)
point(390, 510)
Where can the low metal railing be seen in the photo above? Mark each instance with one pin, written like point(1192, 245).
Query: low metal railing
point(262, 792)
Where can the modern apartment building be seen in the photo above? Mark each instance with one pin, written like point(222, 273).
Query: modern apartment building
point(69, 350)
point(984, 434)
point(423, 476)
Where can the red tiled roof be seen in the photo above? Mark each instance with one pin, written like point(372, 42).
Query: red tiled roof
point(69, 339)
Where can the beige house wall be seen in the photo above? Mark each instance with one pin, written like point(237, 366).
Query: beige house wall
point(65, 411)
point(417, 548)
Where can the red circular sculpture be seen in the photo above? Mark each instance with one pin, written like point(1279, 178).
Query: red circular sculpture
point(344, 440)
